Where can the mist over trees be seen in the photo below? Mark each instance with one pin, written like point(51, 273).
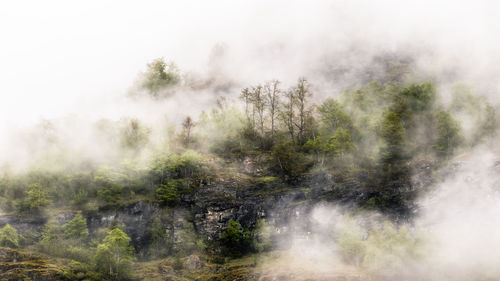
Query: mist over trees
point(274, 137)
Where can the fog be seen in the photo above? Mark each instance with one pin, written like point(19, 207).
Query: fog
point(74, 64)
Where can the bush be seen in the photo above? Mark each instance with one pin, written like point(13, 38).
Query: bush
point(167, 194)
point(288, 161)
point(76, 228)
point(36, 199)
point(236, 240)
point(9, 237)
point(114, 256)
point(262, 236)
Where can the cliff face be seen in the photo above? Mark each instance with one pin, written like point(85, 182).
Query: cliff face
point(207, 210)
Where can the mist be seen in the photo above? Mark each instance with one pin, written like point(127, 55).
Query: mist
point(70, 77)
point(62, 61)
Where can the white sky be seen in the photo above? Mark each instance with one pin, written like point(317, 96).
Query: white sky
point(58, 57)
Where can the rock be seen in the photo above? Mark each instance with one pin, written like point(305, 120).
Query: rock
point(193, 263)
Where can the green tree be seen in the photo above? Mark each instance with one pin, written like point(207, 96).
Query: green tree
point(36, 198)
point(448, 133)
point(160, 75)
point(114, 256)
point(262, 236)
point(134, 135)
point(393, 136)
point(340, 143)
point(167, 193)
point(351, 242)
point(421, 97)
point(161, 239)
point(288, 161)
point(76, 228)
point(9, 237)
point(333, 116)
point(236, 240)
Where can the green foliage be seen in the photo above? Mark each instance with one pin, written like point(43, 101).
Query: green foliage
point(109, 191)
point(351, 242)
point(177, 166)
point(235, 239)
point(487, 124)
point(384, 251)
point(392, 133)
point(262, 236)
point(448, 134)
point(36, 198)
point(161, 239)
point(188, 240)
point(288, 161)
point(9, 237)
point(134, 135)
point(76, 228)
point(390, 250)
point(167, 193)
point(111, 196)
point(159, 76)
point(333, 116)
point(114, 256)
point(420, 97)
point(340, 143)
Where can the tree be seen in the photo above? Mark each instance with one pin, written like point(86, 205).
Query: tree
point(114, 256)
point(288, 115)
point(272, 94)
point(340, 143)
point(259, 104)
point(9, 237)
point(134, 135)
point(420, 97)
point(236, 240)
point(262, 236)
point(290, 163)
point(315, 146)
point(160, 75)
point(246, 96)
point(36, 198)
point(76, 228)
point(448, 133)
point(167, 193)
point(332, 116)
point(301, 95)
point(187, 126)
point(161, 239)
point(393, 135)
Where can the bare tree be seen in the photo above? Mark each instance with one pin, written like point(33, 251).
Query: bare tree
point(301, 96)
point(259, 103)
point(272, 94)
point(288, 114)
point(187, 126)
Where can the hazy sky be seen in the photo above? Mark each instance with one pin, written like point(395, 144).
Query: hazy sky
point(58, 57)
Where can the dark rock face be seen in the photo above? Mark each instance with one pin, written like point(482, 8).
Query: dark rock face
point(209, 208)
point(23, 223)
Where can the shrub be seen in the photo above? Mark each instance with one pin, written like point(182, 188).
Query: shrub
point(9, 237)
point(262, 236)
point(114, 256)
point(236, 240)
point(167, 194)
point(76, 228)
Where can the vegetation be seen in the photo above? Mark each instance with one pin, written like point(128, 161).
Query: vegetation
point(9, 237)
point(114, 256)
point(236, 240)
point(276, 140)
